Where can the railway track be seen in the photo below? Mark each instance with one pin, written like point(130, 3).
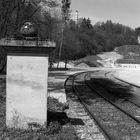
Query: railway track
point(134, 107)
point(113, 121)
point(129, 108)
point(70, 80)
point(102, 129)
point(135, 88)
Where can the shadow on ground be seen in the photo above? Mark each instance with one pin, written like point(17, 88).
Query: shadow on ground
point(79, 89)
point(112, 90)
point(109, 88)
point(63, 119)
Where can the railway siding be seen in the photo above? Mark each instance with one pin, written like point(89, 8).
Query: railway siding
point(116, 123)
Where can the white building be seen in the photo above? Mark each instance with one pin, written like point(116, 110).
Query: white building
point(139, 39)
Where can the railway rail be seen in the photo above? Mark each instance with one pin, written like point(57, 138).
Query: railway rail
point(114, 122)
point(71, 79)
point(128, 107)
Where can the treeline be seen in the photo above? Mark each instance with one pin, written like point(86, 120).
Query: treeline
point(74, 39)
point(81, 38)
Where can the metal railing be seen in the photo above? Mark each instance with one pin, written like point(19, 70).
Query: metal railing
point(29, 42)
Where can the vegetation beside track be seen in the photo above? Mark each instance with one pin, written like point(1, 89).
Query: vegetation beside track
point(58, 125)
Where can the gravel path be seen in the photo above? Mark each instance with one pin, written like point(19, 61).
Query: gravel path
point(85, 127)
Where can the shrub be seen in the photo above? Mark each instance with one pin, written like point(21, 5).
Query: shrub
point(67, 133)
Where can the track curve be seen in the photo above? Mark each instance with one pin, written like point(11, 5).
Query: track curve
point(80, 84)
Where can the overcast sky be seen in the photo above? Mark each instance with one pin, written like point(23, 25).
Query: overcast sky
point(125, 12)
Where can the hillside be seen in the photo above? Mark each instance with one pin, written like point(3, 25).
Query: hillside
point(127, 54)
point(88, 61)
point(109, 58)
point(123, 54)
point(106, 59)
point(130, 53)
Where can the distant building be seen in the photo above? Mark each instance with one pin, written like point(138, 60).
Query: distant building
point(76, 16)
point(139, 39)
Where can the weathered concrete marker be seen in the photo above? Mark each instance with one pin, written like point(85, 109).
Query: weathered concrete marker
point(26, 90)
point(26, 83)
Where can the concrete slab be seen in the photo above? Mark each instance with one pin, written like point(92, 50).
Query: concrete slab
point(26, 91)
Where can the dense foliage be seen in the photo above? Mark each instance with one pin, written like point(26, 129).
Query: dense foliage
point(84, 39)
point(14, 13)
point(74, 39)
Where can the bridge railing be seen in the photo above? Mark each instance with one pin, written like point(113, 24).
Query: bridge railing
point(24, 42)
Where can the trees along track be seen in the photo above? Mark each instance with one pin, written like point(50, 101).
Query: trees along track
point(114, 122)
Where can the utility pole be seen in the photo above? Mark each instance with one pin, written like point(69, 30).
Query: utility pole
point(61, 43)
point(65, 17)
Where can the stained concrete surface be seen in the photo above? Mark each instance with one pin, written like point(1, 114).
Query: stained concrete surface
point(26, 91)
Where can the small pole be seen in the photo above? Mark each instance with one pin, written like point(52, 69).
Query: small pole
point(60, 49)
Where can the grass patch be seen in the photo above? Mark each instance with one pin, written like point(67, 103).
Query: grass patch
point(55, 131)
point(58, 127)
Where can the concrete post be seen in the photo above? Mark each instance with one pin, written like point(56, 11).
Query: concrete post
point(26, 83)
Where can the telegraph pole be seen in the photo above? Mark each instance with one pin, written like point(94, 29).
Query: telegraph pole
point(65, 17)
